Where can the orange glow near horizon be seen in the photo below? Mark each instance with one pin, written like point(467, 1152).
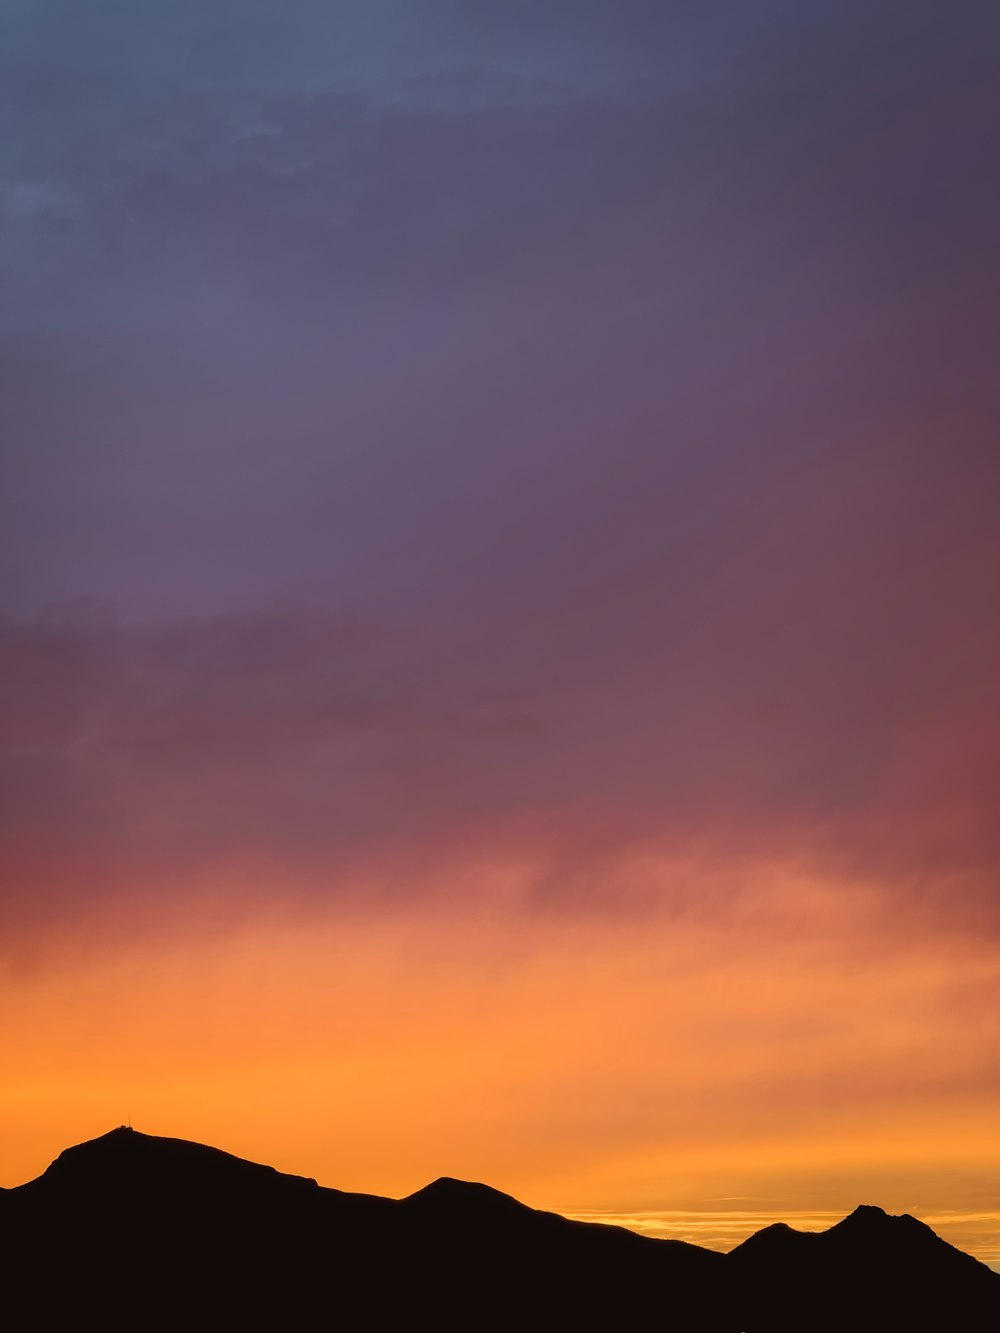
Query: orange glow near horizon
point(645, 1063)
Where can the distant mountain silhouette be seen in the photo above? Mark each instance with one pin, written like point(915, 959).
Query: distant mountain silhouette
point(871, 1270)
point(147, 1233)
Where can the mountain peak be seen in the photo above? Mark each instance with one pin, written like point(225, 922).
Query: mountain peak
point(104, 1150)
point(123, 1159)
point(869, 1219)
point(776, 1234)
point(447, 1192)
point(867, 1212)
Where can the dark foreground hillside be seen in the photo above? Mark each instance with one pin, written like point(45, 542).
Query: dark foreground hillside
point(130, 1231)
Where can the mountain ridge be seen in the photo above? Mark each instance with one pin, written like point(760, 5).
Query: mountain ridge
point(238, 1241)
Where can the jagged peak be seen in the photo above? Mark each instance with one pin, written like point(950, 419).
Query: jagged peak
point(869, 1217)
point(867, 1212)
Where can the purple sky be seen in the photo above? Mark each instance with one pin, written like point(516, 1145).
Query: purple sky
point(433, 426)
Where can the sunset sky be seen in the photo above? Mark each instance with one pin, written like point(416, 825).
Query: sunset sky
point(499, 611)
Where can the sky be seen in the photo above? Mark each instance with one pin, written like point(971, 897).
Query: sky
point(499, 570)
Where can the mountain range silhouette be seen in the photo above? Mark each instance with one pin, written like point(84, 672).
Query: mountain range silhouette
point(130, 1230)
